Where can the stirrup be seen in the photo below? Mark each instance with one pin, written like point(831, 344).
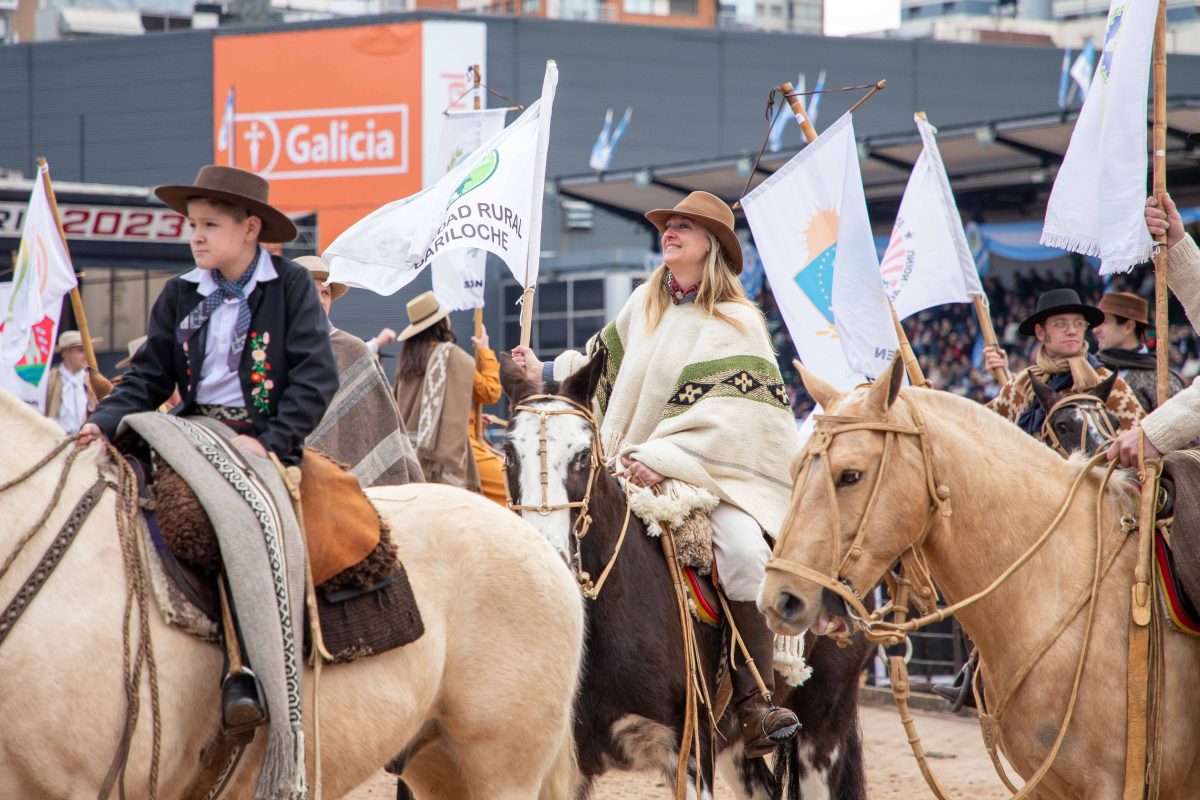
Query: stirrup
point(244, 687)
point(957, 693)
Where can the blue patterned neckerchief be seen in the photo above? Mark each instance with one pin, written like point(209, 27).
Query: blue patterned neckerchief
point(678, 294)
point(233, 290)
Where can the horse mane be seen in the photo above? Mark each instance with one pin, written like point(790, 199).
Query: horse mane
point(991, 427)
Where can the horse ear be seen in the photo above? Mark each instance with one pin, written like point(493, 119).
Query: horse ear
point(818, 389)
point(1105, 388)
point(1045, 395)
point(581, 385)
point(886, 388)
point(512, 379)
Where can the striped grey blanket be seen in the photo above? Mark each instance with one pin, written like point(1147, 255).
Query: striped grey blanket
point(242, 493)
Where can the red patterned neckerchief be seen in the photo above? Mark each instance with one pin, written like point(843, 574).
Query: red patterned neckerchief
point(678, 293)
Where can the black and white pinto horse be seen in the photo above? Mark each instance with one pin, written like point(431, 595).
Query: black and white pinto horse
point(630, 711)
point(1077, 422)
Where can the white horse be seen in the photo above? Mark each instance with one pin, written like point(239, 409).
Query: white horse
point(484, 697)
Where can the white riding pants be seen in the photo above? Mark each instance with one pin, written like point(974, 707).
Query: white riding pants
point(741, 552)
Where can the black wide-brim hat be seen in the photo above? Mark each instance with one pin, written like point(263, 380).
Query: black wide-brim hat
point(238, 188)
point(1060, 301)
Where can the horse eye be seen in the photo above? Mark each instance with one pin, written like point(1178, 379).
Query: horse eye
point(1062, 427)
point(849, 477)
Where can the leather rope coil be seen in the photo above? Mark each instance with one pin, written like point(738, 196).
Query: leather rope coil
point(874, 625)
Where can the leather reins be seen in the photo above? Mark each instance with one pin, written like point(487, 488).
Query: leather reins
point(1095, 413)
point(583, 518)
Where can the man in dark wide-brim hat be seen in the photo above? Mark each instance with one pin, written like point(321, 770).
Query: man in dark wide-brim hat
point(1061, 361)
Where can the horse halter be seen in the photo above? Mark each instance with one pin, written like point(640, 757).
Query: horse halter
point(1095, 413)
point(583, 521)
point(911, 560)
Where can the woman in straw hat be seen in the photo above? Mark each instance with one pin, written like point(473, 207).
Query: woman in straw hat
point(693, 402)
point(242, 335)
point(434, 387)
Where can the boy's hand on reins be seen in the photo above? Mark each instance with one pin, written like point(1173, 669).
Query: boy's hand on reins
point(90, 432)
point(638, 473)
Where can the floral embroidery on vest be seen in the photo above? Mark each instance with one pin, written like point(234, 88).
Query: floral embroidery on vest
point(259, 369)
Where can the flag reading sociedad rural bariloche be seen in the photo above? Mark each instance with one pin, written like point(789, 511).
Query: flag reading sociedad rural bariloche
point(491, 201)
point(458, 275)
point(1097, 204)
point(809, 221)
point(33, 302)
point(928, 262)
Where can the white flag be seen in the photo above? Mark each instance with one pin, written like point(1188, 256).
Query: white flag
point(1098, 201)
point(492, 201)
point(810, 226)
point(29, 316)
point(458, 275)
point(928, 262)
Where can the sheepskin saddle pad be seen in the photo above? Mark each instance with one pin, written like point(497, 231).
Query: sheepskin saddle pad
point(364, 599)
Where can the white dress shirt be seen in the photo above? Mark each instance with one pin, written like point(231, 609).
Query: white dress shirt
point(220, 385)
point(72, 411)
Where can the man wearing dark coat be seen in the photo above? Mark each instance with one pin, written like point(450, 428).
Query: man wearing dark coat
point(1122, 342)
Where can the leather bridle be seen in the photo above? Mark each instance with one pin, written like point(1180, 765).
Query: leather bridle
point(1094, 413)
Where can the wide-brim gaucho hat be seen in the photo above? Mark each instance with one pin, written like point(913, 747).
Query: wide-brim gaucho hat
point(69, 339)
point(423, 312)
point(1060, 301)
point(320, 270)
point(134, 346)
point(713, 214)
point(1127, 305)
point(238, 188)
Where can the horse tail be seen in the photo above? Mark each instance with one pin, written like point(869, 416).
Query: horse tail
point(563, 781)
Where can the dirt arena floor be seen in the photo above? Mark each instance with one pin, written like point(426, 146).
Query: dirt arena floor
point(953, 744)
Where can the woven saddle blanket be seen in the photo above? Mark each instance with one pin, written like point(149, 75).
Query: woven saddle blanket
point(1178, 556)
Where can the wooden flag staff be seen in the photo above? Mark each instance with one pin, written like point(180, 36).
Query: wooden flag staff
point(477, 81)
point(1162, 334)
point(100, 385)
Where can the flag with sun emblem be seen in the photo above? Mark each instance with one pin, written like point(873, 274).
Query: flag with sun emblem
point(1097, 204)
point(811, 229)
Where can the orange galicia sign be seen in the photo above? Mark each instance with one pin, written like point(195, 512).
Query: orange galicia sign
point(338, 119)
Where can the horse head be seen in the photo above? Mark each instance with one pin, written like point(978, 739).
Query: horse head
point(862, 474)
point(550, 450)
point(1077, 421)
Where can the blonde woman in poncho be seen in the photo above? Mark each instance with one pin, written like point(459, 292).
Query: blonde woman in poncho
point(694, 403)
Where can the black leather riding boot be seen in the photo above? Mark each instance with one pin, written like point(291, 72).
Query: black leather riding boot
point(763, 725)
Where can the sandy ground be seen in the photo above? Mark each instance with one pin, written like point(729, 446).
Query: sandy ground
point(953, 744)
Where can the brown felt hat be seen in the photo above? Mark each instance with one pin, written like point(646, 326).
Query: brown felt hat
point(238, 188)
point(134, 346)
point(320, 270)
point(69, 339)
point(1127, 305)
point(713, 214)
point(423, 312)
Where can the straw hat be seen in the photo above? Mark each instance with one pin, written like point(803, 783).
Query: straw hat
point(1127, 305)
point(320, 270)
point(713, 214)
point(69, 339)
point(236, 187)
point(423, 311)
point(134, 346)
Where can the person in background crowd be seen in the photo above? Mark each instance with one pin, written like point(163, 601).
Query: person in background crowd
point(362, 428)
point(434, 388)
point(1061, 360)
point(486, 391)
point(70, 396)
point(1122, 342)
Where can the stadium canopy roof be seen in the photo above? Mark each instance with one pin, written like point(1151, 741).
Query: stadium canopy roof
point(1000, 170)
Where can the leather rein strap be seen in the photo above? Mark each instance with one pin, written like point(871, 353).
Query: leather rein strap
point(1093, 410)
point(583, 519)
point(890, 633)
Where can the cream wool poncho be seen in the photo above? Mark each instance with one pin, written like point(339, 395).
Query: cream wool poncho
point(699, 401)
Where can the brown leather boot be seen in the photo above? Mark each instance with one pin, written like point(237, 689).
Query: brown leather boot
point(763, 725)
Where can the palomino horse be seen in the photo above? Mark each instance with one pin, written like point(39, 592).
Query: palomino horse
point(630, 713)
point(966, 494)
point(1077, 422)
point(489, 688)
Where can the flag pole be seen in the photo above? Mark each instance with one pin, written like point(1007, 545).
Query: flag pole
point(913, 367)
point(534, 255)
point(1161, 324)
point(100, 385)
point(810, 133)
point(476, 82)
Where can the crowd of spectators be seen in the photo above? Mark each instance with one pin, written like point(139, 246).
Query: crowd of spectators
point(944, 338)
